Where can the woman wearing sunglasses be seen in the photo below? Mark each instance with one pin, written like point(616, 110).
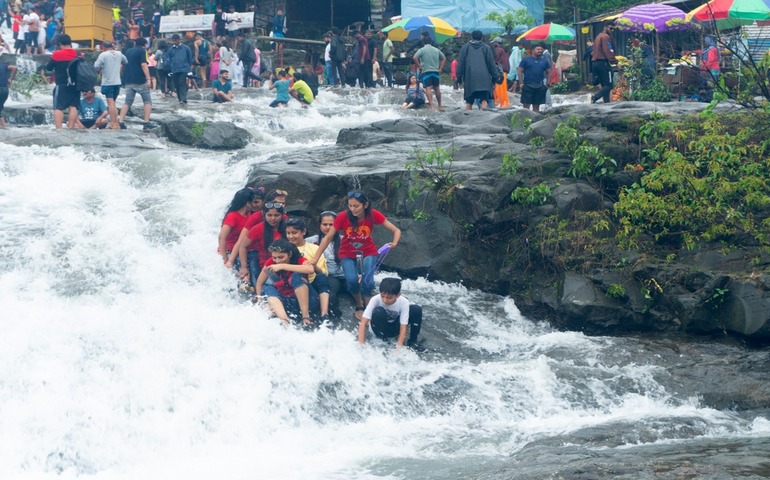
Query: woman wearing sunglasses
point(252, 221)
point(356, 224)
point(261, 236)
point(290, 293)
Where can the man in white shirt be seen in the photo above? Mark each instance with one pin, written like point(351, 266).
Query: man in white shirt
point(110, 63)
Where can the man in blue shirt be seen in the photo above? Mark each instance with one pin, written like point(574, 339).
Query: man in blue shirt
point(93, 111)
point(137, 80)
point(534, 73)
point(222, 88)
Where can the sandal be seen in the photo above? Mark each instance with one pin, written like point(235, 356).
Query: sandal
point(361, 309)
point(306, 322)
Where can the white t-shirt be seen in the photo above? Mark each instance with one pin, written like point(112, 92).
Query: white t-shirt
point(24, 26)
point(327, 54)
point(398, 311)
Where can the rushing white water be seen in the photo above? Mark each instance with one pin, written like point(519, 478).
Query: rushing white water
point(124, 353)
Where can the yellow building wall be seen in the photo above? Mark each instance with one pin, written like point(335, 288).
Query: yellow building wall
point(88, 21)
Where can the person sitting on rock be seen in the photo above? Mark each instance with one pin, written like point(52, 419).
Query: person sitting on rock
point(93, 111)
point(290, 293)
point(295, 234)
point(415, 94)
point(223, 88)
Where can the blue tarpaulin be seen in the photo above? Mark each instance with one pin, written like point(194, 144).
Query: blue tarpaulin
point(468, 15)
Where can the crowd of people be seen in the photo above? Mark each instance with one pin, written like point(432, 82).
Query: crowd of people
point(35, 26)
point(301, 277)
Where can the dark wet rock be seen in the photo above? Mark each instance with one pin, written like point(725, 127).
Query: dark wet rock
point(213, 135)
point(463, 233)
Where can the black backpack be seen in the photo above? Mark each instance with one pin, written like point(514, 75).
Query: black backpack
point(338, 51)
point(82, 75)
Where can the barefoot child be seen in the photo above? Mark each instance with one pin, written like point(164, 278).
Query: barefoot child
point(295, 234)
point(389, 313)
point(290, 292)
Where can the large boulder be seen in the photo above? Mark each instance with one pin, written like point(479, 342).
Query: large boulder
point(212, 135)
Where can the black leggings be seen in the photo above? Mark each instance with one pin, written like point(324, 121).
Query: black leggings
point(383, 329)
point(3, 98)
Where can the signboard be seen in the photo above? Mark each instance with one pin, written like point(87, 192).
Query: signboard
point(186, 23)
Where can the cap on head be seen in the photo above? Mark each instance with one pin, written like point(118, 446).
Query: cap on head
point(498, 40)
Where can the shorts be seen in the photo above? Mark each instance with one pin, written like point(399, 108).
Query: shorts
point(430, 80)
point(132, 89)
point(31, 39)
point(153, 71)
point(202, 62)
point(478, 95)
point(278, 102)
point(65, 96)
point(111, 91)
point(88, 123)
point(533, 94)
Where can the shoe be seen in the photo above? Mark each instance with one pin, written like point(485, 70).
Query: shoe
point(149, 126)
point(416, 346)
point(122, 126)
point(325, 319)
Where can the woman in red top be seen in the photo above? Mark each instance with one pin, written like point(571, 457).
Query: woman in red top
point(233, 222)
point(356, 224)
point(290, 289)
point(262, 236)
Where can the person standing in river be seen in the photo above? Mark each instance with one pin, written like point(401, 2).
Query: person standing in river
point(430, 60)
point(7, 73)
point(110, 64)
point(137, 80)
point(65, 96)
point(180, 58)
point(602, 58)
point(476, 71)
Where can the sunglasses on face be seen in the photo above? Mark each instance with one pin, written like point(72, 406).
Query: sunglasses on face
point(276, 205)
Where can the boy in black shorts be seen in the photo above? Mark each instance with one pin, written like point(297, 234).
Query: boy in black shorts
point(390, 314)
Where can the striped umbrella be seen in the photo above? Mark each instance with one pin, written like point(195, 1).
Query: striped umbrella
point(730, 13)
point(652, 17)
point(548, 32)
point(411, 29)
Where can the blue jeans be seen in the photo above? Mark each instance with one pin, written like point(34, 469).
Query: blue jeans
point(351, 275)
point(387, 69)
point(254, 268)
point(330, 73)
point(290, 303)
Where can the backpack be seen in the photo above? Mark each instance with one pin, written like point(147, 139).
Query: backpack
point(338, 50)
point(82, 75)
point(203, 51)
point(160, 63)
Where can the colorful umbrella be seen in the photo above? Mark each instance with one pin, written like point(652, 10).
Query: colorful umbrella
point(730, 13)
point(548, 32)
point(412, 28)
point(652, 17)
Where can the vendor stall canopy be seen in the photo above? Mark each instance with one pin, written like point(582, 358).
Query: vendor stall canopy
point(468, 15)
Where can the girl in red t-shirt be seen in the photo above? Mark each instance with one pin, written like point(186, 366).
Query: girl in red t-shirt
point(290, 289)
point(233, 222)
point(262, 236)
point(355, 225)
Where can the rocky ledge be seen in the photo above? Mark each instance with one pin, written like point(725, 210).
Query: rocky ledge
point(469, 231)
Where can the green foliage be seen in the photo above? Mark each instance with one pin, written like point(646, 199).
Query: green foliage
point(196, 131)
point(27, 83)
point(536, 143)
point(616, 291)
point(560, 87)
point(520, 122)
point(566, 137)
point(511, 164)
point(431, 170)
point(420, 215)
point(531, 196)
point(588, 162)
point(578, 243)
point(712, 187)
point(640, 87)
point(509, 19)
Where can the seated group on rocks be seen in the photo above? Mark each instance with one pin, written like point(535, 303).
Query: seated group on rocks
point(301, 277)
